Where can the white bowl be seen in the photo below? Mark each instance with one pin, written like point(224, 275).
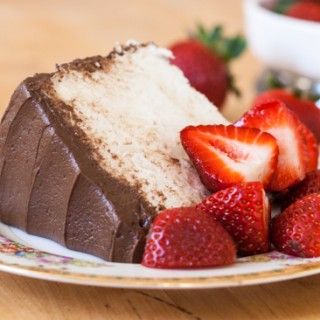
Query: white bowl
point(282, 42)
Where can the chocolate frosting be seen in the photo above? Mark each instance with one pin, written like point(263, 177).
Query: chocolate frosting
point(52, 187)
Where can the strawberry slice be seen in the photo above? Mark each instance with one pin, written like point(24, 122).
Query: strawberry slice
point(244, 211)
point(310, 149)
point(298, 152)
point(224, 155)
point(305, 109)
point(187, 238)
point(296, 231)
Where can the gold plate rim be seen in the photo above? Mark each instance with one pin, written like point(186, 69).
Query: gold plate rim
point(280, 274)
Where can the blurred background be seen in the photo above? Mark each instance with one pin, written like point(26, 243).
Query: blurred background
point(37, 34)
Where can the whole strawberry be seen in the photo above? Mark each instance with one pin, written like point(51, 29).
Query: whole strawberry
point(204, 59)
point(304, 108)
point(187, 238)
point(306, 10)
point(244, 212)
point(310, 184)
point(296, 231)
point(301, 9)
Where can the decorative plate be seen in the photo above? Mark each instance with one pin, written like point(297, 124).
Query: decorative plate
point(36, 257)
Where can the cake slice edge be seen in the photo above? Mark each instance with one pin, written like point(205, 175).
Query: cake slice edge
point(121, 236)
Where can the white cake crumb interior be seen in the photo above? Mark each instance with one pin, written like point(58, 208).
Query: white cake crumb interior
point(136, 110)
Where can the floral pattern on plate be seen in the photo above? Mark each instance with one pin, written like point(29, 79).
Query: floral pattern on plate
point(25, 255)
point(16, 249)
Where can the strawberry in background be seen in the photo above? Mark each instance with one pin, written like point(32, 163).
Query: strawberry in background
point(306, 10)
point(300, 9)
point(205, 58)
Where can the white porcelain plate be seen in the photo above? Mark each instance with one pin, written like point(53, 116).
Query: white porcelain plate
point(36, 257)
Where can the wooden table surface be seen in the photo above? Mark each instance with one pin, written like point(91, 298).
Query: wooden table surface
point(34, 35)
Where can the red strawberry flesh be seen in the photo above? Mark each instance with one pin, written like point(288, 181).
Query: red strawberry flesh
point(224, 155)
point(296, 231)
point(187, 238)
point(244, 212)
point(298, 151)
point(305, 109)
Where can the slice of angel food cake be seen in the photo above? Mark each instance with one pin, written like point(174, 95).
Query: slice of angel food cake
point(90, 153)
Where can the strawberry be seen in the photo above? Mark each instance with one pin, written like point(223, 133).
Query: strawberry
point(204, 60)
point(244, 211)
point(187, 238)
point(282, 6)
point(297, 7)
point(307, 10)
point(225, 155)
point(311, 184)
point(310, 150)
point(298, 151)
point(296, 231)
point(304, 108)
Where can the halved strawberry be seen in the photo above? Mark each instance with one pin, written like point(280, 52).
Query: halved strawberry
point(305, 109)
point(187, 238)
point(224, 155)
point(298, 152)
point(296, 231)
point(310, 150)
point(244, 211)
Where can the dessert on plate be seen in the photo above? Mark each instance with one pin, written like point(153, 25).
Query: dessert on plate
point(90, 153)
point(116, 156)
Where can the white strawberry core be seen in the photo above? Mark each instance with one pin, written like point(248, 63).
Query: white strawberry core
point(288, 150)
point(252, 160)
